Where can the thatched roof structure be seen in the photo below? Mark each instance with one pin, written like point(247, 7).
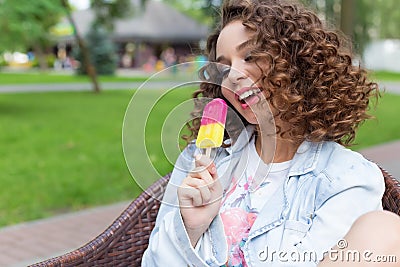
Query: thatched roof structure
point(157, 22)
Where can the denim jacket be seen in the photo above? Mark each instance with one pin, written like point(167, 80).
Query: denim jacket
point(327, 188)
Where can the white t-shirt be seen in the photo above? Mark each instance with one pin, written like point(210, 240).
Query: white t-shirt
point(246, 197)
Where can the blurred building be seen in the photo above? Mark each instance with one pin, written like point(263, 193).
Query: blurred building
point(383, 55)
point(142, 38)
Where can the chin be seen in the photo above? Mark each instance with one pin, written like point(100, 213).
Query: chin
point(252, 120)
point(248, 114)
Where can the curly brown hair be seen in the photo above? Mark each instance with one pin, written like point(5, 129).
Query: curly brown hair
point(311, 81)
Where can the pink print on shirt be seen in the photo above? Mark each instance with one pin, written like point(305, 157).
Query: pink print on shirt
point(238, 219)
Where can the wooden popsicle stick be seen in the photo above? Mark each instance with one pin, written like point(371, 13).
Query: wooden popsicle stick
point(208, 151)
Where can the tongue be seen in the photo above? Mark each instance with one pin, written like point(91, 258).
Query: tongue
point(251, 100)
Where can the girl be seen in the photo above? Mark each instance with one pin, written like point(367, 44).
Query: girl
point(283, 189)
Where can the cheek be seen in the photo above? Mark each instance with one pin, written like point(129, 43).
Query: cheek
point(228, 94)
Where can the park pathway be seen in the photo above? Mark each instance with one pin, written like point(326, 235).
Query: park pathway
point(59, 87)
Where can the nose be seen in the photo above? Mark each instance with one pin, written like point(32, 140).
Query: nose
point(236, 74)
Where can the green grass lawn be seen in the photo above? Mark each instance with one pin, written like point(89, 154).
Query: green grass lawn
point(49, 77)
point(62, 151)
point(386, 125)
point(386, 76)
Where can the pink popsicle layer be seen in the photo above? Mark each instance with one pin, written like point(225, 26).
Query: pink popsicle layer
point(214, 112)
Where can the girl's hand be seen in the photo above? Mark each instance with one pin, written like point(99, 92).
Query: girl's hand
point(200, 197)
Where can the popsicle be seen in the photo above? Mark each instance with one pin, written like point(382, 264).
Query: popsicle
point(211, 132)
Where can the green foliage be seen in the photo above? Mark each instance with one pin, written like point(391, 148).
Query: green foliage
point(102, 52)
point(3, 63)
point(108, 10)
point(26, 23)
point(50, 59)
point(372, 18)
point(362, 25)
point(203, 11)
point(387, 18)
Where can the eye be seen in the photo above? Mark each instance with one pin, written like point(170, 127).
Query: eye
point(248, 58)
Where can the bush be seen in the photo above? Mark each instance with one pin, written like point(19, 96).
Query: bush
point(50, 59)
point(3, 62)
point(102, 52)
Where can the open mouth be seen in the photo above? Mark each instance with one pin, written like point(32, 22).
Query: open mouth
point(249, 97)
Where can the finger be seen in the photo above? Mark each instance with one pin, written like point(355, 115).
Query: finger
point(202, 186)
point(192, 194)
point(209, 191)
point(203, 174)
point(204, 162)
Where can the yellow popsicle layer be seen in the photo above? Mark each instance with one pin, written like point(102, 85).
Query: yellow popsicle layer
point(210, 135)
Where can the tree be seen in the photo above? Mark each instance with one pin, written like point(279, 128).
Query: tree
point(203, 11)
point(26, 24)
point(362, 20)
point(102, 52)
point(211, 9)
point(90, 70)
point(387, 18)
point(347, 17)
point(363, 24)
point(107, 11)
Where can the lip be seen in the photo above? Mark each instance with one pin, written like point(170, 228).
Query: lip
point(250, 101)
point(242, 90)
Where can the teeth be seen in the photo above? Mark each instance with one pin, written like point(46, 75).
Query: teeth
point(249, 93)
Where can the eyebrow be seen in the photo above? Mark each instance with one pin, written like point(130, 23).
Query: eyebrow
point(238, 48)
point(244, 45)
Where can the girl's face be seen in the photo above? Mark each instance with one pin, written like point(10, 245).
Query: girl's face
point(239, 70)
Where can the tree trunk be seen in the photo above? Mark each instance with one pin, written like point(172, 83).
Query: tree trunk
point(40, 56)
point(91, 71)
point(347, 17)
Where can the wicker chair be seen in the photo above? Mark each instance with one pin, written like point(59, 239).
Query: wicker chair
point(123, 243)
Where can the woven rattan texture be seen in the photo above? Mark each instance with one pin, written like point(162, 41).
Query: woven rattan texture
point(124, 242)
point(391, 197)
